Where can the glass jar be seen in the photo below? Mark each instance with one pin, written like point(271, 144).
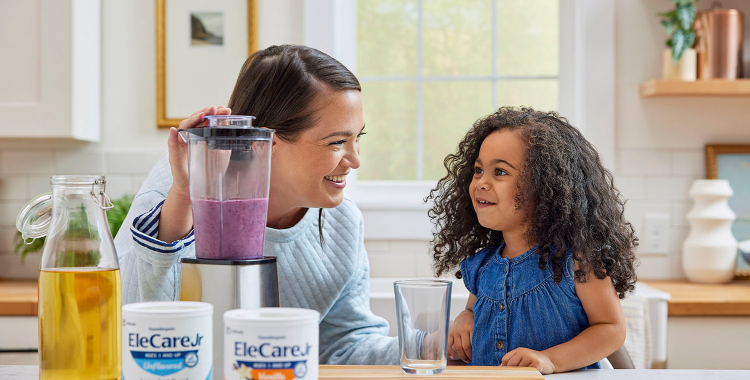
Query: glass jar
point(79, 280)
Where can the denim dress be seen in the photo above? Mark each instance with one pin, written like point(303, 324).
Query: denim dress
point(519, 305)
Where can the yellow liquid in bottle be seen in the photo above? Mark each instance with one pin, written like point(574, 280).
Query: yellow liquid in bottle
point(79, 323)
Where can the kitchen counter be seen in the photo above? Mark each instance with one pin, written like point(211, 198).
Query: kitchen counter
point(707, 324)
point(649, 374)
point(32, 372)
point(689, 299)
point(339, 372)
point(18, 298)
point(18, 318)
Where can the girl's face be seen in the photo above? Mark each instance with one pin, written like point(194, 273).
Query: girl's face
point(311, 172)
point(494, 187)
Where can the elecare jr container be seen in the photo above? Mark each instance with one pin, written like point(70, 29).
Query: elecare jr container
point(167, 340)
point(271, 343)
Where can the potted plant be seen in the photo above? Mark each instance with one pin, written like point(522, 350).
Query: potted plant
point(679, 59)
point(115, 218)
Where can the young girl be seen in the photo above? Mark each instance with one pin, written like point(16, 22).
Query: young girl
point(532, 217)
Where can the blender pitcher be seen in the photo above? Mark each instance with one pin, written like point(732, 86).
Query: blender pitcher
point(79, 280)
point(230, 167)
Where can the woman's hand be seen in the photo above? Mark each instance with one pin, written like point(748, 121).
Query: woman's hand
point(459, 338)
point(524, 357)
point(176, 218)
point(178, 160)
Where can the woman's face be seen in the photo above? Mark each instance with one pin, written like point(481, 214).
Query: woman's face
point(494, 187)
point(311, 172)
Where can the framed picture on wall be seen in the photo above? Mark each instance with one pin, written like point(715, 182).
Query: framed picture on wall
point(200, 48)
point(732, 162)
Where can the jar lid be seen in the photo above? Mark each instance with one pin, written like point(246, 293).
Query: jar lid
point(35, 217)
point(273, 315)
point(78, 180)
point(170, 309)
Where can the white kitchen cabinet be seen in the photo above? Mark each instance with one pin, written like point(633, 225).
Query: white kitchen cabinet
point(50, 69)
point(709, 342)
point(709, 324)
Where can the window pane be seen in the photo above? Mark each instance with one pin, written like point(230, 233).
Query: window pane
point(386, 38)
point(457, 37)
point(389, 149)
point(450, 109)
point(528, 37)
point(542, 94)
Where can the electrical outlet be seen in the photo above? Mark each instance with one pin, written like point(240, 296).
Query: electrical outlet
point(656, 233)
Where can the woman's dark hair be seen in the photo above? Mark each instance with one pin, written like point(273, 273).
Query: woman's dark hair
point(278, 86)
point(569, 200)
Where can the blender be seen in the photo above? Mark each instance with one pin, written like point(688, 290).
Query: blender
point(229, 162)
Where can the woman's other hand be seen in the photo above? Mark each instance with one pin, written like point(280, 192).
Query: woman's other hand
point(525, 357)
point(176, 218)
point(459, 338)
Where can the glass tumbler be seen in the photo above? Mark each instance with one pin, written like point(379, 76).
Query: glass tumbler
point(423, 313)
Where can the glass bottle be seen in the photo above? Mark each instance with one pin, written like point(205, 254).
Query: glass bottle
point(79, 280)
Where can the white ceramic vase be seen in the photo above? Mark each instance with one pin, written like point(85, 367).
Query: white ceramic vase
point(709, 254)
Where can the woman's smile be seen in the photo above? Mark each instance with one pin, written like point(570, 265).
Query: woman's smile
point(337, 181)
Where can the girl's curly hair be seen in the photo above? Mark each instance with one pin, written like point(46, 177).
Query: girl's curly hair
point(569, 197)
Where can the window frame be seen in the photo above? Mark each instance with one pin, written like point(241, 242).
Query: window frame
point(395, 209)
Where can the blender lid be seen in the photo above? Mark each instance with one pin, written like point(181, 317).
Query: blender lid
point(251, 133)
point(229, 121)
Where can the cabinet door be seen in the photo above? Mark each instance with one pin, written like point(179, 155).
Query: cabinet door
point(708, 342)
point(50, 69)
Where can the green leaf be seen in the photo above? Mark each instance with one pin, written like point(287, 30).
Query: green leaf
point(689, 39)
point(686, 16)
point(669, 26)
point(669, 15)
point(24, 249)
point(678, 45)
point(116, 216)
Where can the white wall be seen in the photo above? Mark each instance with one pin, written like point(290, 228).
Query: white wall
point(659, 140)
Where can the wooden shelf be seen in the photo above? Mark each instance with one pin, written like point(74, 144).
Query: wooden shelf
point(690, 299)
point(657, 87)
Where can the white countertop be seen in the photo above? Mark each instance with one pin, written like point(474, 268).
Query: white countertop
point(31, 372)
point(650, 374)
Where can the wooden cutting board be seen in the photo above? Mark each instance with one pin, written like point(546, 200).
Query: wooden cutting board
point(354, 372)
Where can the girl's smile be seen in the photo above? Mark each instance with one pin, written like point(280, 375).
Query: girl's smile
point(481, 202)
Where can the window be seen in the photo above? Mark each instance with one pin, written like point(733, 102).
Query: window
point(393, 209)
point(430, 68)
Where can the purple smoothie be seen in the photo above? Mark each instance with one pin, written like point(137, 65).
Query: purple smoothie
point(229, 230)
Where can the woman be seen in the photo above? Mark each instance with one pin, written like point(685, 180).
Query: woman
point(313, 102)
